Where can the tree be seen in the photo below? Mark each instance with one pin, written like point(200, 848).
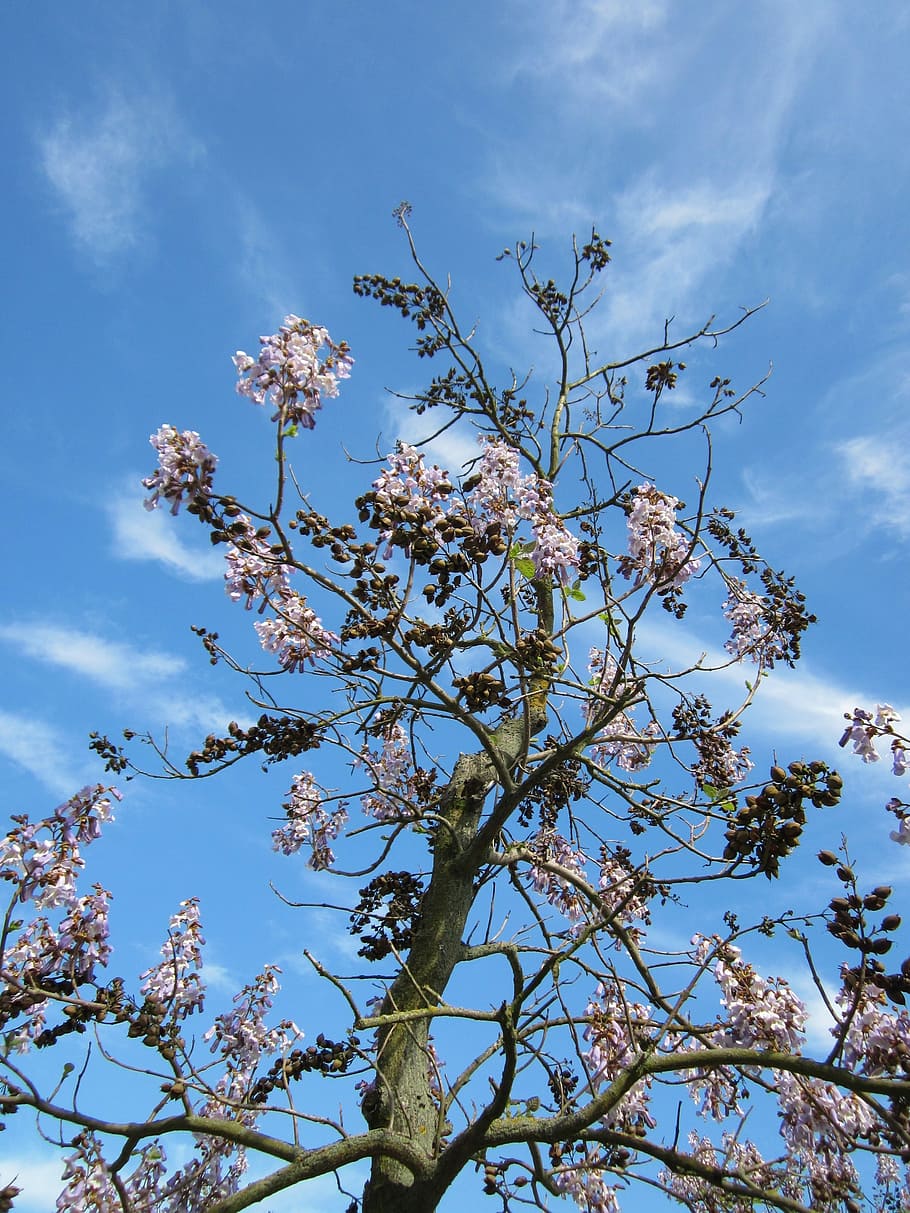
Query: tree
point(475, 653)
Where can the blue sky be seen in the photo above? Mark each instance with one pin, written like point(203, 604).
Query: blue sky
point(179, 176)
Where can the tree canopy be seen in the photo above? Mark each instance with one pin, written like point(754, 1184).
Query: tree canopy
point(552, 846)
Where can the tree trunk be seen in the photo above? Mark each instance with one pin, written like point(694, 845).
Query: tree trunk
point(403, 1100)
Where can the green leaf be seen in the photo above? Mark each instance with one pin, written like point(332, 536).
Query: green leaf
point(524, 566)
point(719, 797)
point(575, 593)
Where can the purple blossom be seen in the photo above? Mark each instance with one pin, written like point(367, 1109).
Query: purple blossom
point(254, 571)
point(309, 824)
point(864, 727)
point(549, 847)
point(621, 903)
point(408, 483)
point(175, 982)
point(185, 469)
point(753, 635)
point(619, 740)
point(243, 1039)
point(556, 550)
point(289, 373)
point(502, 494)
point(761, 1013)
point(393, 796)
point(67, 938)
point(505, 497)
point(296, 635)
point(658, 552)
point(616, 1031)
point(584, 1182)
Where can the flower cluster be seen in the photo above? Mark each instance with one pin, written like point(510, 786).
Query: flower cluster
point(296, 634)
point(718, 763)
point(763, 1014)
point(877, 1040)
point(502, 495)
point(820, 1124)
point(257, 573)
point(616, 1032)
point(549, 847)
point(658, 552)
point(620, 893)
point(863, 729)
point(89, 1184)
point(902, 833)
point(254, 569)
point(175, 982)
point(66, 942)
point(289, 373)
point(585, 1184)
point(309, 823)
point(185, 469)
point(394, 795)
point(619, 740)
point(741, 1157)
point(754, 635)
point(243, 1039)
point(408, 484)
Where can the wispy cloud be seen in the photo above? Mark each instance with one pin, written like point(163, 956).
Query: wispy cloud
point(99, 163)
point(154, 681)
point(597, 40)
point(261, 262)
point(800, 707)
point(878, 469)
point(678, 209)
point(852, 485)
point(38, 1176)
point(141, 534)
point(112, 664)
point(671, 240)
point(452, 450)
point(41, 750)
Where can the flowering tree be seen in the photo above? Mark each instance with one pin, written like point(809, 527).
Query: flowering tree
point(476, 658)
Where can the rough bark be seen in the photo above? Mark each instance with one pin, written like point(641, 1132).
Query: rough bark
point(403, 1100)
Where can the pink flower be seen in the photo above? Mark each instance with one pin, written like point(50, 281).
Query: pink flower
point(308, 823)
point(504, 496)
point(657, 551)
point(176, 982)
point(296, 635)
point(290, 374)
point(254, 571)
point(393, 796)
point(185, 469)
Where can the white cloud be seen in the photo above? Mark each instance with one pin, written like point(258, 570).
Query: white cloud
point(194, 712)
point(40, 750)
point(98, 165)
point(262, 263)
point(788, 499)
point(141, 534)
point(452, 449)
point(111, 663)
point(596, 47)
point(878, 468)
point(798, 707)
point(38, 1177)
point(152, 680)
point(671, 240)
